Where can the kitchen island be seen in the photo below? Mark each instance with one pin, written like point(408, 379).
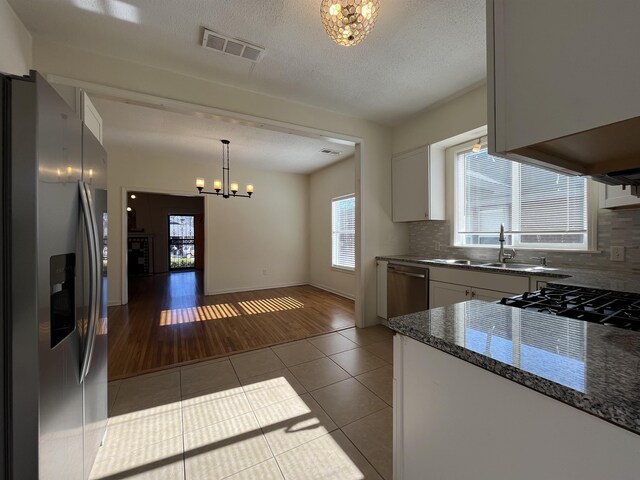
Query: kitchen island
point(486, 391)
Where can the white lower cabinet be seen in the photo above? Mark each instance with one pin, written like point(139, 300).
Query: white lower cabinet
point(488, 295)
point(442, 294)
point(449, 285)
point(381, 287)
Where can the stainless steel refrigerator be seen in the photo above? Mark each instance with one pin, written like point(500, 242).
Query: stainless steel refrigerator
point(53, 286)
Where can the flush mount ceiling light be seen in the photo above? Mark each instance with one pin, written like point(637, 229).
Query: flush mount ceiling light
point(223, 188)
point(348, 22)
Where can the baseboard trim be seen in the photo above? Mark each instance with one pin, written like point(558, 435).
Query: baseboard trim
point(252, 289)
point(332, 290)
point(267, 287)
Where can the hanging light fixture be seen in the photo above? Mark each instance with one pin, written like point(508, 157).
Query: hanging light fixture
point(224, 188)
point(348, 22)
point(478, 146)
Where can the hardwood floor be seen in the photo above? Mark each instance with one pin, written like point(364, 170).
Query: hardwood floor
point(169, 321)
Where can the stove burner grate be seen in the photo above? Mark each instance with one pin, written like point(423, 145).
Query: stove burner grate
point(618, 309)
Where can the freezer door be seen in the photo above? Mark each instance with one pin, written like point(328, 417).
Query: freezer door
point(4, 297)
point(59, 144)
point(94, 160)
point(45, 158)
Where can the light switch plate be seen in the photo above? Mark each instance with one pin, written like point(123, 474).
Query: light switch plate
point(617, 254)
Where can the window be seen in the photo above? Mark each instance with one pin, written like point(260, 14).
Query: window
point(539, 209)
point(343, 228)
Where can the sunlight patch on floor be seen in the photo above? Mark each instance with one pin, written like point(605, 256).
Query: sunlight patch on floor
point(177, 316)
point(219, 311)
point(267, 305)
point(227, 439)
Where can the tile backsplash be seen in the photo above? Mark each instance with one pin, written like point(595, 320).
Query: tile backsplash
point(615, 228)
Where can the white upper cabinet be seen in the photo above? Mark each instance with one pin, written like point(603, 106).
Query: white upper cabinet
point(563, 81)
point(418, 186)
point(614, 196)
point(80, 102)
point(90, 115)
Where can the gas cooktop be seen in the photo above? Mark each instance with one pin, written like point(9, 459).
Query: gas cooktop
point(618, 309)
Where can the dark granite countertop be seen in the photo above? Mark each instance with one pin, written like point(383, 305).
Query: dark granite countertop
point(591, 367)
point(603, 279)
point(552, 273)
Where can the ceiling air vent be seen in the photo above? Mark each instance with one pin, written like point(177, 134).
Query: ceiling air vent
point(231, 46)
point(330, 152)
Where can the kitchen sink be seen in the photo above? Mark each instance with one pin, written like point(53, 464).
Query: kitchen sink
point(459, 262)
point(508, 265)
point(525, 267)
point(516, 266)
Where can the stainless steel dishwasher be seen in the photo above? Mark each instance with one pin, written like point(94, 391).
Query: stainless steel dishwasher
point(407, 289)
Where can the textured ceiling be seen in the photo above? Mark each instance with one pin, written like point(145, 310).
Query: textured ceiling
point(195, 138)
point(420, 51)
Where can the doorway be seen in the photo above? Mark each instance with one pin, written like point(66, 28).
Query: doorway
point(165, 240)
point(182, 244)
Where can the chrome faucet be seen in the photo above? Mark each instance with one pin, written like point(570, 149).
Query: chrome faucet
point(542, 260)
point(502, 256)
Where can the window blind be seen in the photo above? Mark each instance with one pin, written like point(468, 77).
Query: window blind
point(344, 232)
point(537, 207)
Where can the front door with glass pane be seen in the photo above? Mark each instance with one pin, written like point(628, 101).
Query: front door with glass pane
point(182, 247)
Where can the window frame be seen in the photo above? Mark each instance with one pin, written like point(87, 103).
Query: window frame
point(456, 181)
point(334, 265)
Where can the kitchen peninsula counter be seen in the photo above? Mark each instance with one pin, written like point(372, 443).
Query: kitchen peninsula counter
point(517, 394)
point(591, 367)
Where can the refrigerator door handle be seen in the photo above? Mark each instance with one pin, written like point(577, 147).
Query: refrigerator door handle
point(93, 328)
point(91, 230)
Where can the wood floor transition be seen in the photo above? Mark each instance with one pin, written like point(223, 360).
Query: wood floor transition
point(169, 321)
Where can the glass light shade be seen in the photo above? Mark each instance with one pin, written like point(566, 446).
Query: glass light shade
point(200, 182)
point(249, 188)
point(133, 196)
point(348, 22)
point(217, 185)
point(128, 209)
point(234, 187)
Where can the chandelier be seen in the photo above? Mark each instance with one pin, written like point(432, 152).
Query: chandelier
point(348, 22)
point(223, 188)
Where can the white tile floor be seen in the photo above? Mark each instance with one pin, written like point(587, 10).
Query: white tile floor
point(316, 409)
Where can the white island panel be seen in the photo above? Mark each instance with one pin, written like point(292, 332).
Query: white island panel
point(456, 421)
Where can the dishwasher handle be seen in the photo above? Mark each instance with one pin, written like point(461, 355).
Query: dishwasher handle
point(408, 274)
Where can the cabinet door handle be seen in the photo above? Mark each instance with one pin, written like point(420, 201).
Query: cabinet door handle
point(466, 292)
point(473, 294)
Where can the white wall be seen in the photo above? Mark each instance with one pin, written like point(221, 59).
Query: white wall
point(379, 236)
point(242, 236)
point(324, 185)
point(15, 42)
point(259, 242)
point(459, 115)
